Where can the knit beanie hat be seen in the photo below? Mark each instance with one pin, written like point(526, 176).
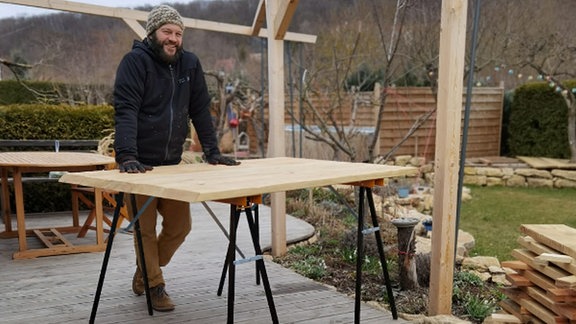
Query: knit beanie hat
point(162, 15)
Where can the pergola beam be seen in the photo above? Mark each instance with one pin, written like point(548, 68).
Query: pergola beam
point(259, 18)
point(278, 15)
point(136, 27)
point(286, 11)
point(139, 15)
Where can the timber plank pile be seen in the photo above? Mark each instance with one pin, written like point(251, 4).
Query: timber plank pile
point(543, 278)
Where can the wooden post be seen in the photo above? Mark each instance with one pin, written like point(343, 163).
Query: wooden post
point(276, 145)
point(448, 118)
point(376, 106)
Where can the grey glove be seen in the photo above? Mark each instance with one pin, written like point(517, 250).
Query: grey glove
point(134, 166)
point(221, 159)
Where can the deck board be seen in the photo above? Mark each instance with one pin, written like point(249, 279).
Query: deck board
point(60, 289)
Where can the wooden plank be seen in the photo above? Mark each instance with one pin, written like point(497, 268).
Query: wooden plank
point(541, 312)
point(43, 238)
point(276, 143)
point(566, 282)
point(448, 118)
point(559, 237)
point(568, 311)
point(539, 280)
point(286, 12)
point(515, 293)
point(259, 18)
point(539, 295)
point(143, 16)
point(57, 250)
point(547, 163)
point(514, 308)
point(549, 270)
point(136, 27)
point(515, 265)
point(556, 258)
point(203, 182)
point(562, 295)
point(504, 318)
point(537, 248)
point(518, 280)
point(58, 236)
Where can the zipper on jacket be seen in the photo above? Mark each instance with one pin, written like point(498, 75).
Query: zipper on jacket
point(167, 149)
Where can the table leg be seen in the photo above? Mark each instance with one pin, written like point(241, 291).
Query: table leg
point(380, 245)
point(119, 202)
point(366, 194)
point(6, 212)
point(257, 226)
point(234, 218)
point(230, 262)
point(230, 256)
point(99, 216)
point(19, 198)
point(260, 266)
point(359, 256)
point(138, 234)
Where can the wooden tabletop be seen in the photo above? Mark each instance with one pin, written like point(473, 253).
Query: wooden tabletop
point(52, 159)
point(204, 182)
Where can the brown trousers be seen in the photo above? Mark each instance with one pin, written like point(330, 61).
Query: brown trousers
point(159, 248)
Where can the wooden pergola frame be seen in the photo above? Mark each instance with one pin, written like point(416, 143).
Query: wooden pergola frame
point(278, 15)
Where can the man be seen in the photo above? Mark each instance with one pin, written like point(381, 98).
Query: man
point(158, 87)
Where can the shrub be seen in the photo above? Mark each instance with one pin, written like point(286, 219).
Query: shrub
point(538, 122)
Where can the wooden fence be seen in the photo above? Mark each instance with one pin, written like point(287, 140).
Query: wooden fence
point(403, 108)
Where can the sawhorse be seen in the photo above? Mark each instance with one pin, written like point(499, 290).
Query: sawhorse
point(237, 205)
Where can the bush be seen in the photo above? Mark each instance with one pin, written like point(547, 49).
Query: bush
point(538, 122)
point(49, 122)
point(37, 121)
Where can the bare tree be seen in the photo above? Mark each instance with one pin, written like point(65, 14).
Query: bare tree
point(352, 50)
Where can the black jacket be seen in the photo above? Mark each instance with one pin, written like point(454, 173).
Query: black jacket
point(153, 101)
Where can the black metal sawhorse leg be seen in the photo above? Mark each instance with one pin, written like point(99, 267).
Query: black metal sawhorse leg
point(254, 207)
point(230, 262)
point(366, 192)
point(136, 215)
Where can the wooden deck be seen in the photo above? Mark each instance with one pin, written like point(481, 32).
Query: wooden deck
point(60, 289)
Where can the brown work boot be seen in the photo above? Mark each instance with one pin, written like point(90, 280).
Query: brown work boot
point(160, 299)
point(138, 282)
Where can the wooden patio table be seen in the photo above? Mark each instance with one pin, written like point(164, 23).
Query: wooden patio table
point(19, 163)
point(242, 186)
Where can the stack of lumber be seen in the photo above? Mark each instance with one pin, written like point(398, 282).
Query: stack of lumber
point(543, 279)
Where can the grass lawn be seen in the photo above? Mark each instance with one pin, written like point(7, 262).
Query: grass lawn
point(494, 215)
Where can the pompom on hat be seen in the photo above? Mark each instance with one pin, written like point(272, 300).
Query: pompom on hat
point(162, 15)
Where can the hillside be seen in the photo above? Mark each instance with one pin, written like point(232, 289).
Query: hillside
point(353, 41)
point(86, 48)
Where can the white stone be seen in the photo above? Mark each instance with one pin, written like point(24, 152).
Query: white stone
point(534, 173)
point(538, 182)
point(570, 175)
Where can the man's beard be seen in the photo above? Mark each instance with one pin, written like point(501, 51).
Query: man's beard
point(158, 49)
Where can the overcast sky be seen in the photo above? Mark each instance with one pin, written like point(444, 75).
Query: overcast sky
point(10, 10)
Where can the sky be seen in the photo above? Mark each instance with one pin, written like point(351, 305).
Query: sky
point(14, 11)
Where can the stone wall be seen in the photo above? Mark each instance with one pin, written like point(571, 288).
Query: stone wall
point(514, 174)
